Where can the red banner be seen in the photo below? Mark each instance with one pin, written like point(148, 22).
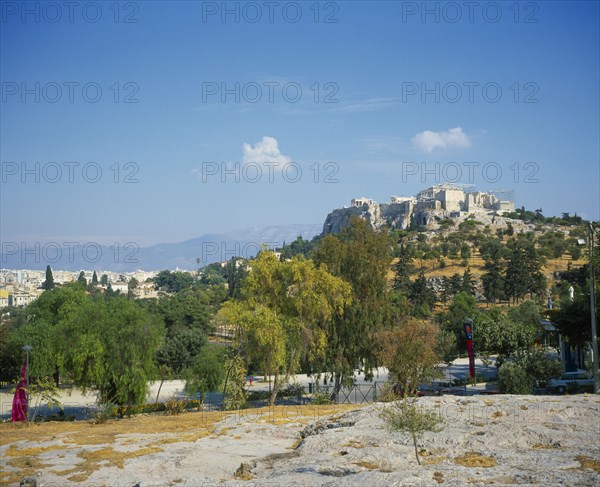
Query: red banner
point(471, 358)
point(468, 329)
point(19, 404)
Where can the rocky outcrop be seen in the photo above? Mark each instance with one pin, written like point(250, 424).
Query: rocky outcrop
point(394, 215)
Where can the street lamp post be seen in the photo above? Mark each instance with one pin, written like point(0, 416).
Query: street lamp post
point(593, 311)
point(27, 348)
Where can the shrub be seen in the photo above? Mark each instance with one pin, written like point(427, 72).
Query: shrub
point(103, 412)
point(321, 399)
point(406, 416)
point(292, 390)
point(513, 379)
point(175, 406)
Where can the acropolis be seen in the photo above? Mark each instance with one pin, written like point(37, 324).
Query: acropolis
point(430, 205)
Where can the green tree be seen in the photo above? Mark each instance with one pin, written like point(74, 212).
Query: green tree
point(104, 280)
point(297, 247)
point(81, 279)
point(40, 325)
point(360, 256)
point(467, 284)
point(403, 269)
point(495, 332)
point(422, 297)
point(173, 282)
point(112, 347)
point(187, 317)
point(409, 351)
point(575, 252)
point(234, 394)
point(523, 271)
point(286, 314)
point(207, 373)
point(493, 279)
point(532, 367)
point(94, 279)
point(465, 251)
point(235, 273)
point(49, 282)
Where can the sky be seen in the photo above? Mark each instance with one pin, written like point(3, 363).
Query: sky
point(155, 122)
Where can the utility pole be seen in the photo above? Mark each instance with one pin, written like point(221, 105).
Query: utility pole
point(593, 311)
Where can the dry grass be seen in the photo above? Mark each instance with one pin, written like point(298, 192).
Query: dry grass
point(473, 459)
point(13, 451)
point(367, 464)
point(503, 480)
point(438, 477)
point(160, 430)
point(432, 460)
point(588, 462)
point(371, 465)
point(353, 444)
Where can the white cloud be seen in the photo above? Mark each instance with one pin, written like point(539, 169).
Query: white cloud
point(265, 150)
point(428, 140)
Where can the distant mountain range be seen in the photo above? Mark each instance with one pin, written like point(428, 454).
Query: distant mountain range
point(209, 248)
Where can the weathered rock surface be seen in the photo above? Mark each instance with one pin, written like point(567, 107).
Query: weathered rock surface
point(487, 440)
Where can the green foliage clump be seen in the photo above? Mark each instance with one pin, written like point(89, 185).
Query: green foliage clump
point(206, 373)
point(529, 368)
point(513, 379)
point(234, 394)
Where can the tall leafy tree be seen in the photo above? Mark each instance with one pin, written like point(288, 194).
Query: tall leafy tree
point(94, 279)
point(235, 272)
point(422, 296)
point(285, 314)
point(496, 332)
point(403, 269)
point(493, 280)
point(467, 282)
point(112, 348)
point(523, 270)
point(206, 373)
point(410, 352)
point(40, 325)
point(81, 279)
point(361, 256)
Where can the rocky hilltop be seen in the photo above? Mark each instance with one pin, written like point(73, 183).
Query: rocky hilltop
point(426, 208)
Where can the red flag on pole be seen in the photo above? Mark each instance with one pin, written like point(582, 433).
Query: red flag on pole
point(19, 404)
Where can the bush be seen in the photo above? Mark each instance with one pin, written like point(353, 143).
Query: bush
point(103, 413)
point(387, 393)
point(292, 390)
point(258, 395)
point(175, 406)
point(528, 369)
point(514, 379)
point(321, 399)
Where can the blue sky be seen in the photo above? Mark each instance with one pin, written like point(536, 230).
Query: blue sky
point(380, 66)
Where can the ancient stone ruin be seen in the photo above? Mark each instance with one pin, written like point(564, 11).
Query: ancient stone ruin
point(430, 205)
